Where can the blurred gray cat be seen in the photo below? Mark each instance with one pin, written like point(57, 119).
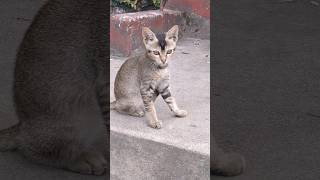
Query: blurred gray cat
point(61, 88)
point(141, 79)
point(225, 164)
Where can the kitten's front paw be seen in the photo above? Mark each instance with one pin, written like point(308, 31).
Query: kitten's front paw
point(155, 124)
point(181, 113)
point(89, 163)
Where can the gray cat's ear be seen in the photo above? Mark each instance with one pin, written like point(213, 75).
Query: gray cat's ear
point(172, 34)
point(148, 36)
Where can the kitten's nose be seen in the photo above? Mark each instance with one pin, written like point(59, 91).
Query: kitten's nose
point(163, 59)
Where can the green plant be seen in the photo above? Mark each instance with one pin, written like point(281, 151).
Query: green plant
point(135, 4)
point(131, 3)
point(156, 3)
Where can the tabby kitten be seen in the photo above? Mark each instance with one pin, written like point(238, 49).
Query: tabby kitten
point(60, 88)
point(141, 79)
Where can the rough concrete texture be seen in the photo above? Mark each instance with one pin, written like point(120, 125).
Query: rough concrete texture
point(196, 16)
point(266, 82)
point(125, 29)
point(180, 150)
point(196, 26)
point(199, 7)
point(136, 158)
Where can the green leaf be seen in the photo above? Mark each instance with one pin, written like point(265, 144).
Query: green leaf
point(156, 3)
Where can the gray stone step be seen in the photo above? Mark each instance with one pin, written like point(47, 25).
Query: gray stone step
point(180, 150)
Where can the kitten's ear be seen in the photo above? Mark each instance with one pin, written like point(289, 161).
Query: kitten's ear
point(172, 34)
point(148, 36)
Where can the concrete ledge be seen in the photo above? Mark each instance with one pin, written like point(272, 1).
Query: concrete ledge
point(181, 149)
point(140, 158)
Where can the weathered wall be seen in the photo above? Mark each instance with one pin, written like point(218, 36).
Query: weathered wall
point(198, 7)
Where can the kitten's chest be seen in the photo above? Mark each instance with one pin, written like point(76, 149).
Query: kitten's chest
point(160, 75)
point(155, 79)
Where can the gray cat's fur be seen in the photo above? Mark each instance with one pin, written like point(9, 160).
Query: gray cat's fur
point(60, 88)
point(141, 79)
point(225, 164)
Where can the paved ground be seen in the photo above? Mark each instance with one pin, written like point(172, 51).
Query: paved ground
point(266, 80)
point(190, 84)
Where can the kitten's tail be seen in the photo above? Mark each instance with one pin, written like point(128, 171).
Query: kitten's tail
point(8, 137)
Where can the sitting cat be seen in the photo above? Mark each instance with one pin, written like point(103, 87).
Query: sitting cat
point(60, 88)
point(141, 79)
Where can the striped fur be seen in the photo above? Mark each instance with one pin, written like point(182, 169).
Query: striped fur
point(141, 79)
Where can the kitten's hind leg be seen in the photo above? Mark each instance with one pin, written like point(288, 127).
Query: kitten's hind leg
point(127, 107)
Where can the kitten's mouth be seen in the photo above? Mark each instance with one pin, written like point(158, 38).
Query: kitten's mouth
point(162, 66)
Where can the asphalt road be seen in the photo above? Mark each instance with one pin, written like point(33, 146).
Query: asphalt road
point(267, 89)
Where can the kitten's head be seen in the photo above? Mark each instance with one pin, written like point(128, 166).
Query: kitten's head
point(161, 46)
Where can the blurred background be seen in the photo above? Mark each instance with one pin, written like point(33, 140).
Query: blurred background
point(266, 80)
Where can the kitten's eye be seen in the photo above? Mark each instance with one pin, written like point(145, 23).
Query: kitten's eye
point(156, 52)
point(169, 51)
